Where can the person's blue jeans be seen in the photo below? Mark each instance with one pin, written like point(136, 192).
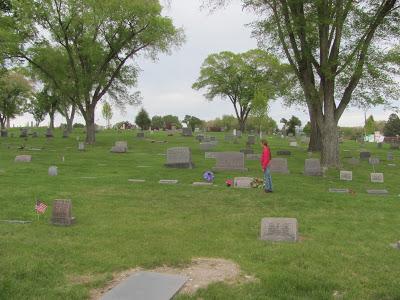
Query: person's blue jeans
point(267, 180)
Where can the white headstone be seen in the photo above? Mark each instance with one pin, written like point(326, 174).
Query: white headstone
point(243, 182)
point(279, 229)
point(346, 175)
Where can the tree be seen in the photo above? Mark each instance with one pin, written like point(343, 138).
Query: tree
point(157, 122)
point(170, 120)
point(37, 110)
point(49, 102)
point(142, 120)
point(107, 113)
point(292, 124)
point(370, 126)
point(99, 41)
point(15, 91)
point(392, 127)
point(192, 122)
point(240, 78)
point(285, 124)
point(307, 129)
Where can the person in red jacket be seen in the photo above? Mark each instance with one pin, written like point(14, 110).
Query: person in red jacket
point(265, 160)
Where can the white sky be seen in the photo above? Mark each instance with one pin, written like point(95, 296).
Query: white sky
point(166, 84)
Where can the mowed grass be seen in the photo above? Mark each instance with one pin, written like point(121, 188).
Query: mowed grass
point(345, 238)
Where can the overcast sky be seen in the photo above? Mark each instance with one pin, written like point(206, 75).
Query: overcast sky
point(165, 85)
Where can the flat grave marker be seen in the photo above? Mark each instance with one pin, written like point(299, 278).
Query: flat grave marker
point(202, 183)
point(242, 182)
point(136, 180)
point(279, 229)
point(374, 160)
point(168, 181)
point(210, 155)
point(23, 158)
point(377, 192)
point(346, 175)
point(365, 155)
point(377, 177)
point(340, 191)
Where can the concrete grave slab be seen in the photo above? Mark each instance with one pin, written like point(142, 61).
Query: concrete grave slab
point(243, 182)
point(202, 184)
point(346, 175)
point(343, 191)
point(168, 181)
point(378, 192)
point(23, 158)
point(377, 177)
point(279, 229)
point(147, 286)
point(136, 180)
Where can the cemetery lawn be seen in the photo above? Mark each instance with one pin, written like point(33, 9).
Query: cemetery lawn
point(344, 250)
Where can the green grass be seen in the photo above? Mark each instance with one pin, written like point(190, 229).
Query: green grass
point(345, 239)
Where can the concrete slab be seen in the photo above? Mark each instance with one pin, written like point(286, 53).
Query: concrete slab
point(147, 286)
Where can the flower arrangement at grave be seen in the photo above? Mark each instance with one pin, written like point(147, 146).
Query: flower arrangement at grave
point(257, 183)
point(229, 182)
point(208, 176)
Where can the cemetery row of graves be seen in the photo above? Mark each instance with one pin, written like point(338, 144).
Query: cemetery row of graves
point(140, 199)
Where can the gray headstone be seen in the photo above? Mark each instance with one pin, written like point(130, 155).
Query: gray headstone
point(279, 229)
point(200, 138)
point(210, 155)
point(238, 133)
point(346, 175)
point(187, 131)
point(242, 182)
point(229, 137)
point(377, 177)
point(4, 133)
point(49, 133)
point(354, 161)
point(365, 155)
point(35, 134)
point(253, 156)
point(207, 146)
point(168, 181)
point(53, 171)
point(279, 165)
point(81, 146)
point(395, 146)
point(120, 147)
point(229, 161)
point(140, 135)
point(389, 156)
point(23, 133)
point(377, 192)
point(284, 152)
point(340, 191)
point(62, 213)
point(251, 139)
point(179, 157)
point(147, 286)
point(374, 160)
point(247, 151)
point(213, 139)
point(312, 167)
point(65, 134)
point(23, 158)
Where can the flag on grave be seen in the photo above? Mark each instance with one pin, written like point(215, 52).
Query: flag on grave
point(40, 207)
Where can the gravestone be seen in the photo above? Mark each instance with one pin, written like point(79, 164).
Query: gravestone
point(53, 171)
point(279, 229)
point(377, 177)
point(284, 152)
point(247, 151)
point(210, 155)
point(365, 155)
point(200, 138)
point(136, 180)
point(312, 167)
point(140, 135)
point(23, 158)
point(35, 134)
point(229, 161)
point(346, 175)
point(389, 156)
point(374, 160)
point(49, 133)
point(81, 146)
point(147, 286)
point(120, 147)
point(377, 192)
point(179, 157)
point(168, 181)
point(251, 139)
point(23, 133)
point(62, 213)
point(238, 133)
point(213, 139)
point(394, 146)
point(229, 137)
point(242, 182)
point(207, 146)
point(187, 131)
point(253, 156)
point(202, 183)
point(354, 161)
point(293, 144)
point(4, 133)
point(65, 134)
point(279, 165)
point(340, 191)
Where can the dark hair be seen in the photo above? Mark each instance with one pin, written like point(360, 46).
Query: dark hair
point(264, 142)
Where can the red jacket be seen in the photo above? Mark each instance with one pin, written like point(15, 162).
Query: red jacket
point(265, 157)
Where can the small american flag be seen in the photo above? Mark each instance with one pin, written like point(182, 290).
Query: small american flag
point(40, 207)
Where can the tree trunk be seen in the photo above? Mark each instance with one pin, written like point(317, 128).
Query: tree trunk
point(90, 125)
point(51, 115)
point(330, 143)
point(315, 144)
point(8, 123)
point(70, 119)
point(2, 123)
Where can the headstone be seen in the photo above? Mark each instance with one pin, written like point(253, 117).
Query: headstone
point(389, 156)
point(229, 137)
point(354, 161)
point(202, 183)
point(187, 131)
point(200, 137)
point(279, 165)
point(23, 158)
point(4, 133)
point(35, 134)
point(81, 146)
point(251, 139)
point(377, 177)
point(197, 129)
point(253, 156)
point(238, 133)
point(284, 152)
point(136, 180)
point(374, 160)
point(293, 144)
point(62, 213)
point(168, 181)
point(49, 133)
point(279, 229)
point(140, 135)
point(229, 161)
point(207, 146)
point(377, 192)
point(312, 167)
point(242, 182)
point(365, 155)
point(247, 151)
point(210, 155)
point(147, 286)
point(65, 134)
point(346, 175)
point(53, 171)
point(179, 157)
point(340, 191)
point(395, 146)
point(120, 147)
point(23, 133)
point(213, 139)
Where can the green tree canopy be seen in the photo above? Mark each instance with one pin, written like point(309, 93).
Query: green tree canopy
point(142, 120)
point(192, 122)
point(392, 126)
point(370, 126)
point(107, 113)
point(157, 122)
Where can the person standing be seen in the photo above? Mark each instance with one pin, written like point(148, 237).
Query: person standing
point(265, 161)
